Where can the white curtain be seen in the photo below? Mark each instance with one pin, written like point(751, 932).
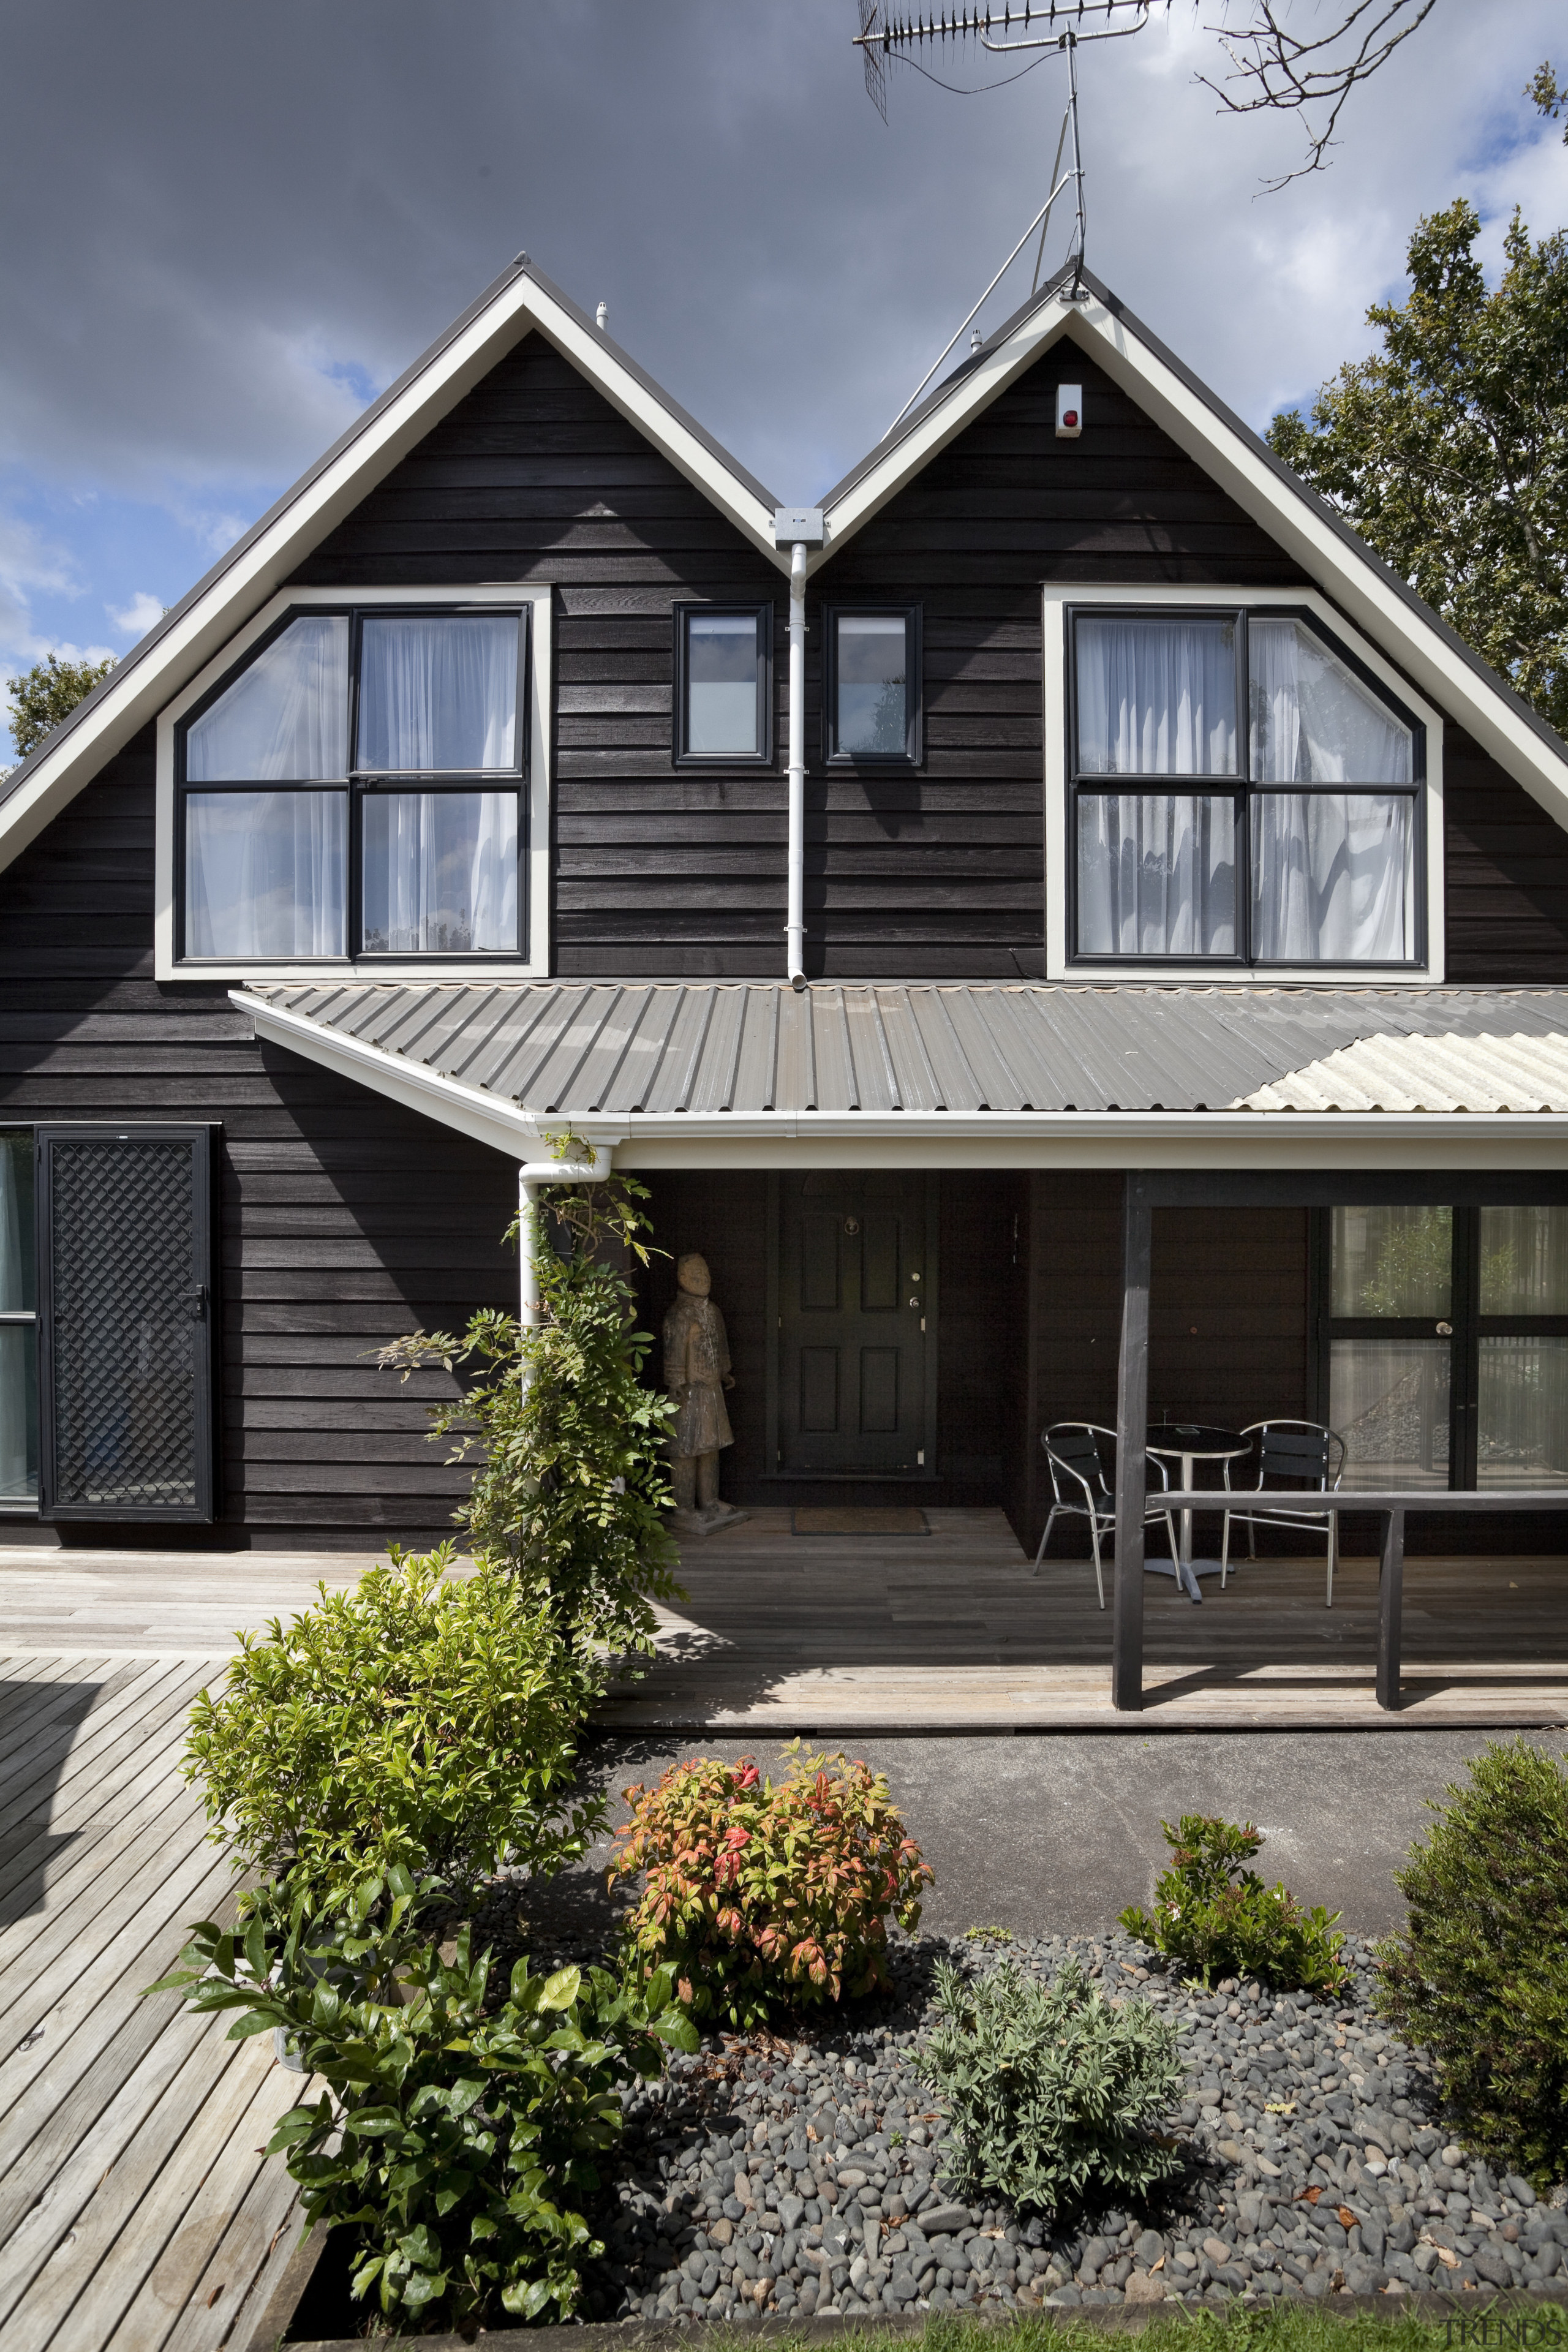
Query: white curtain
point(1312, 722)
point(1331, 877)
point(265, 874)
point(1156, 875)
point(1156, 698)
point(438, 693)
point(285, 719)
point(440, 873)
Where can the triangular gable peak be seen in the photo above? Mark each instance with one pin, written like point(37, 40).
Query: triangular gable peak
point(1306, 530)
point(275, 550)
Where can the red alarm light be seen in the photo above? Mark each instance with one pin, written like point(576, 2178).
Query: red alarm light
point(1069, 411)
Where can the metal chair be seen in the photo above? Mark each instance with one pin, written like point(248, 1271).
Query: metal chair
point(1310, 1455)
point(1072, 1450)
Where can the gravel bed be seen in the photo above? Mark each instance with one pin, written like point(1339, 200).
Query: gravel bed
point(800, 2175)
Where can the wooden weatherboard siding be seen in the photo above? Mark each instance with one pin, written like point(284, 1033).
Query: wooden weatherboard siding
point(1507, 875)
point(344, 1219)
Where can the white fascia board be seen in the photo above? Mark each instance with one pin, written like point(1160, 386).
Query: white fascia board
point(1531, 1140)
point(136, 693)
point(490, 1119)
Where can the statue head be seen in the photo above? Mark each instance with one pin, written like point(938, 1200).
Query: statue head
point(692, 1273)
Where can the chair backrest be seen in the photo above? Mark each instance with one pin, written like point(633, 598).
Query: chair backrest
point(1075, 1445)
point(1302, 1451)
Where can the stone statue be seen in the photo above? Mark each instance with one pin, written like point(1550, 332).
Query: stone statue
point(696, 1373)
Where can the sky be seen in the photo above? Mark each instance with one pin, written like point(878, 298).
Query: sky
point(223, 230)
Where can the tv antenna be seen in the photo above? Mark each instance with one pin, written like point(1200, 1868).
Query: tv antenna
point(1064, 25)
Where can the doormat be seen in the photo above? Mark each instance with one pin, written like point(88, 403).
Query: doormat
point(897, 1519)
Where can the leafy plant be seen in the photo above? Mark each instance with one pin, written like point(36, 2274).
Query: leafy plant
point(461, 2138)
point(422, 1719)
point(573, 1471)
point(1216, 1918)
point(756, 1894)
point(47, 693)
point(1479, 1971)
point(1051, 2092)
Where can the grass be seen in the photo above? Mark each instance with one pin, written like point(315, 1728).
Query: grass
point(1291, 2327)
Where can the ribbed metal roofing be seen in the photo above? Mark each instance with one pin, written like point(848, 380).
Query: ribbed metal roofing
point(564, 1050)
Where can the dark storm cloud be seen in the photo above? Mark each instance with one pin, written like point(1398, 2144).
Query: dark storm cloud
point(225, 224)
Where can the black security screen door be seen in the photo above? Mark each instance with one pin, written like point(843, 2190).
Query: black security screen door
point(856, 1326)
point(125, 1323)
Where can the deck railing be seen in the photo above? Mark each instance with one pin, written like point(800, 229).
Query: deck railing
point(1392, 1507)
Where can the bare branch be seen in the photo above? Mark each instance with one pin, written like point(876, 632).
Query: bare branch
point(1287, 75)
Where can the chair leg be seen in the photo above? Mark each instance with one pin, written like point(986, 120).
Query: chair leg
point(1099, 1569)
point(1333, 1555)
point(1225, 1552)
point(1045, 1538)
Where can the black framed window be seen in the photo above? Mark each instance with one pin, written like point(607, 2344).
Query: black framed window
point(1241, 791)
point(1445, 1335)
point(18, 1325)
point(355, 789)
point(723, 684)
point(871, 684)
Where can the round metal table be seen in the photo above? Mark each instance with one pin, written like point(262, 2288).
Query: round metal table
point(1188, 1442)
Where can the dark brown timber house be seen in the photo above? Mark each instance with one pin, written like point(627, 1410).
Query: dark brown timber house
point(1066, 835)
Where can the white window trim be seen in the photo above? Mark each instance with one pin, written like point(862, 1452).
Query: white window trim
point(1061, 964)
point(536, 787)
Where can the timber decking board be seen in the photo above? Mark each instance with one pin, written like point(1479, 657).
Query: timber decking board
point(135, 2209)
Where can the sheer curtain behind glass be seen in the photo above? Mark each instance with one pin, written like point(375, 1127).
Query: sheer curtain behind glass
point(440, 873)
point(265, 874)
point(285, 719)
point(1332, 872)
point(1156, 698)
point(438, 693)
point(721, 684)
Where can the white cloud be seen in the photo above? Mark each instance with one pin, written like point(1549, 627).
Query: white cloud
point(134, 620)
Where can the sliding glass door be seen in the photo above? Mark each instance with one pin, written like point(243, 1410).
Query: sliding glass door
point(1446, 1355)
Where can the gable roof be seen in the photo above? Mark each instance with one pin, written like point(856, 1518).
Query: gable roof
point(521, 301)
point(1365, 589)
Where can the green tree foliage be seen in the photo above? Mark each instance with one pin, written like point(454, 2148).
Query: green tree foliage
point(1448, 449)
point(44, 695)
point(1479, 1971)
point(572, 1475)
point(1218, 1919)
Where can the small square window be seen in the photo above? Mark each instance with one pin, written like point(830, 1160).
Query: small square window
point(872, 685)
point(724, 693)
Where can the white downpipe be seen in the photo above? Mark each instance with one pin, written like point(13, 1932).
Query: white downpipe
point(532, 1179)
point(797, 764)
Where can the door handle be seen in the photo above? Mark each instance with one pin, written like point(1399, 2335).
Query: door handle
point(198, 1298)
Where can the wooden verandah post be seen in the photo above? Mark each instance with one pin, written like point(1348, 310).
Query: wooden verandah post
point(1132, 1441)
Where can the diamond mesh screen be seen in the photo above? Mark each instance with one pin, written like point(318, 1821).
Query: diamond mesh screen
point(125, 1327)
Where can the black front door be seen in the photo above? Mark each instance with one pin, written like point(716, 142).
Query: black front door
point(856, 1326)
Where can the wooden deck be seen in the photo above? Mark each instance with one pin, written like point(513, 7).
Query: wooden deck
point(951, 1632)
point(136, 2213)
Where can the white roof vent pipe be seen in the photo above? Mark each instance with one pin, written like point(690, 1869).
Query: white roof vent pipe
point(799, 528)
point(601, 317)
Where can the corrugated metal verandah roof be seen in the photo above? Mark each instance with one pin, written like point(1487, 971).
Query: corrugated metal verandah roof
point(565, 1049)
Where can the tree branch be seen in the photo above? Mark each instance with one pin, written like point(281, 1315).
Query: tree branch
point(1287, 75)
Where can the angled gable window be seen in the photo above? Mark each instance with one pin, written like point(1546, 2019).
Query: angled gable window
point(355, 790)
point(1239, 794)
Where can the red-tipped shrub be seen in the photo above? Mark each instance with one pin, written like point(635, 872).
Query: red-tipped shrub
point(756, 1895)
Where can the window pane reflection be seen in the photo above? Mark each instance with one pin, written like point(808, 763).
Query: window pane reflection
point(1388, 1399)
point(438, 693)
point(19, 1413)
point(872, 717)
point(1524, 1261)
point(1394, 1261)
point(1522, 1413)
point(18, 1282)
point(722, 659)
point(265, 874)
point(440, 873)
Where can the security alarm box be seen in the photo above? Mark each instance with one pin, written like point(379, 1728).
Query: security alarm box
point(791, 524)
point(1069, 411)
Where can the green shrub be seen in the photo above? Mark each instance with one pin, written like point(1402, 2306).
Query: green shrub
point(1480, 1972)
point(1050, 2093)
point(1218, 1919)
point(573, 1470)
point(422, 1719)
point(458, 2137)
point(756, 1894)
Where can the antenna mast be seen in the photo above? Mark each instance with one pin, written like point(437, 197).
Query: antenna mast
point(882, 34)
